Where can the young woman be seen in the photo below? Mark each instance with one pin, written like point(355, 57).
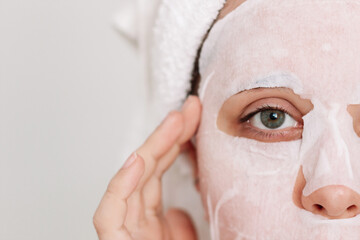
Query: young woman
point(277, 125)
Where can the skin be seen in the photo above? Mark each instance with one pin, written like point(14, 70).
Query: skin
point(229, 6)
point(336, 202)
point(131, 206)
point(333, 202)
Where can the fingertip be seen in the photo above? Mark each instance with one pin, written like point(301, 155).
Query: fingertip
point(164, 137)
point(197, 104)
point(193, 108)
point(175, 118)
point(192, 116)
point(173, 126)
point(195, 99)
point(193, 102)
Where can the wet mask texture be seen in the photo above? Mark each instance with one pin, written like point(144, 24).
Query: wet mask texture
point(311, 47)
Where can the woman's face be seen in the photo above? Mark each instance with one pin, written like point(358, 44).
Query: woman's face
point(278, 145)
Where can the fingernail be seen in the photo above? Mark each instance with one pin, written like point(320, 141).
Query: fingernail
point(129, 161)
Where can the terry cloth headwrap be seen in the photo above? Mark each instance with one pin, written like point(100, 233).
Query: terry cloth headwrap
point(168, 35)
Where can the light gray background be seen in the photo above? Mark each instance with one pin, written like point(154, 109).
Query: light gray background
point(69, 89)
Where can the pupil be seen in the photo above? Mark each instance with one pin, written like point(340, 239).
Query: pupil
point(272, 118)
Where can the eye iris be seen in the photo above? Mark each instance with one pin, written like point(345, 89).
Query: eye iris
point(272, 118)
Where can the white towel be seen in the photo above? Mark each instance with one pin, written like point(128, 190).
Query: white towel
point(168, 34)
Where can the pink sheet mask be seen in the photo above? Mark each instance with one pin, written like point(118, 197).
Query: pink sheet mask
point(311, 47)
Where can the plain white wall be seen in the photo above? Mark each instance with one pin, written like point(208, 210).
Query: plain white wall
point(69, 88)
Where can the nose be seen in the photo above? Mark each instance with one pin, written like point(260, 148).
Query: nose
point(333, 202)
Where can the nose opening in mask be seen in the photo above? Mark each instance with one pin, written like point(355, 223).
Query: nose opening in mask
point(333, 202)
point(327, 183)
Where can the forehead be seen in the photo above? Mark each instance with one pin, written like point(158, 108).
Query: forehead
point(317, 41)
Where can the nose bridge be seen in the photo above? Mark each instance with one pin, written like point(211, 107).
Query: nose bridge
point(324, 152)
point(338, 151)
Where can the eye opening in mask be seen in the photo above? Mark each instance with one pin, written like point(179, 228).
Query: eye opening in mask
point(270, 118)
point(270, 124)
point(264, 114)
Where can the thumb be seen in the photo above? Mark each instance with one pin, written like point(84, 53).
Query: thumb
point(180, 225)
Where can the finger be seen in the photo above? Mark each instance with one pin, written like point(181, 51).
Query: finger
point(110, 216)
point(176, 124)
point(152, 189)
point(164, 137)
point(150, 185)
point(191, 112)
point(158, 144)
point(180, 225)
point(118, 235)
point(168, 137)
point(152, 194)
point(166, 161)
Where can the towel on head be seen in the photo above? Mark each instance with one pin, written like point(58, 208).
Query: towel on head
point(168, 34)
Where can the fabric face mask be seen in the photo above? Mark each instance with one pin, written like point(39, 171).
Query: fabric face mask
point(312, 48)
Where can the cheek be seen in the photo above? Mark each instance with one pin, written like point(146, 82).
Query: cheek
point(242, 180)
point(231, 162)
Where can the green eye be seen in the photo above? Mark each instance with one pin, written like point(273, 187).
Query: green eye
point(272, 119)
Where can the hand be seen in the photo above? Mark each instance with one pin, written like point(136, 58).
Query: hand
point(131, 208)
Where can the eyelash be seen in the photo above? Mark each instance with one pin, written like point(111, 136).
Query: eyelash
point(260, 109)
point(266, 135)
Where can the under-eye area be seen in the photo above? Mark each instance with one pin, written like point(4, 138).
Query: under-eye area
point(264, 114)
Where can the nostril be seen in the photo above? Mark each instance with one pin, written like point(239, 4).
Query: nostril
point(352, 208)
point(333, 202)
point(318, 207)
